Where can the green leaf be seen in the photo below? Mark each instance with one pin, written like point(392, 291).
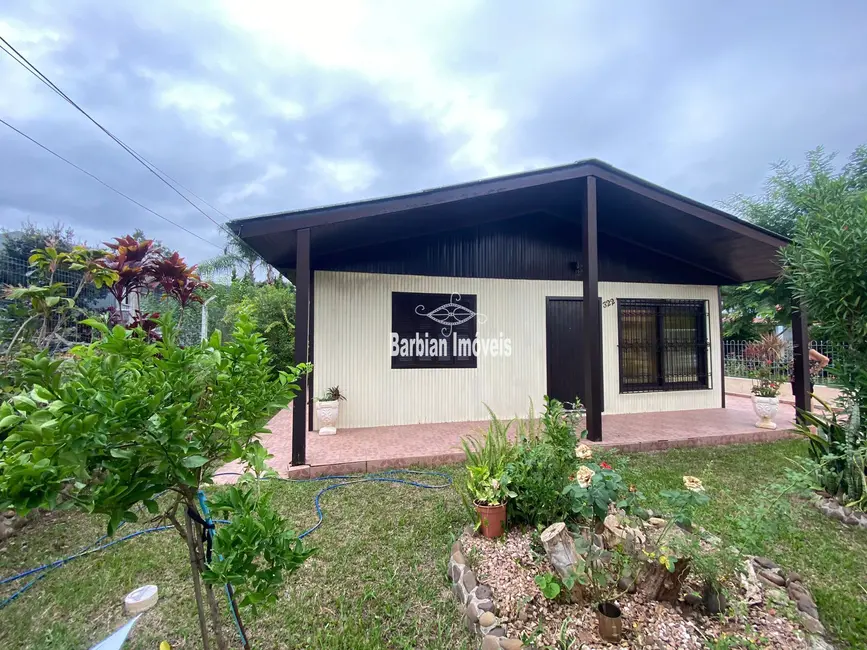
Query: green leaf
point(194, 461)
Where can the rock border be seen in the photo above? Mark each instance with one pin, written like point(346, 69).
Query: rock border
point(476, 602)
point(783, 587)
point(830, 507)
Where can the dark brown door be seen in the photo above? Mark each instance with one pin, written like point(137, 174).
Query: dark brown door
point(564, 344)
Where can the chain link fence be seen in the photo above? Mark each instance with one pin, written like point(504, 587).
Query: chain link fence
point(740, 362)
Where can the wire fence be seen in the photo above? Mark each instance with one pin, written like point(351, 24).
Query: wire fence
point(740, 362)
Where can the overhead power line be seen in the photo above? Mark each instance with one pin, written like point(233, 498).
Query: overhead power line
point(32, 69)
point(102, 182)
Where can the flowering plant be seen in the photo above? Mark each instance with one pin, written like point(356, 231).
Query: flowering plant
point(583, 452)
point(594, 487)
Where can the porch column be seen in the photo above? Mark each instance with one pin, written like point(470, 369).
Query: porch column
point(722, 350)
point(302, 314)
point(592, 315)
point(801, 353)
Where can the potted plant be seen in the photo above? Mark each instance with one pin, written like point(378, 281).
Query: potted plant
point(766, 384)
point(487, 482)
point(327, 410)
point(489, 498)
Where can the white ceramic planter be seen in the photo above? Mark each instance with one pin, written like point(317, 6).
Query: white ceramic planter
point(326, 413)
point(766, 408)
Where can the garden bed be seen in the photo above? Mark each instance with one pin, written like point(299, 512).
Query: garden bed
point(509, 566)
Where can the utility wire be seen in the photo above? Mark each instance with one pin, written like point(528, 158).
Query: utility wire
point(102, 182)
point(32, 69)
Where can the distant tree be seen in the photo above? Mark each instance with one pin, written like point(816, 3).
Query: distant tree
point(30, 236)
point(790, 195)
point(237, 259)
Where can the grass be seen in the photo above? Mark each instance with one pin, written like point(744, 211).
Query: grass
point(378, 578)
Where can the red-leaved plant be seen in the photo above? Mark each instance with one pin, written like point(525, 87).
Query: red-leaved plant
point(131, 260)
point(176, 279)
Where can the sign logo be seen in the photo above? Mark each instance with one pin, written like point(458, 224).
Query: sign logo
point(451, 314)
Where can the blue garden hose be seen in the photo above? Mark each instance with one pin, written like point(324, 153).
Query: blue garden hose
point(345, 480)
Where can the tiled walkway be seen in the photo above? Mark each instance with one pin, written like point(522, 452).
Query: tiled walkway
point(377, 448)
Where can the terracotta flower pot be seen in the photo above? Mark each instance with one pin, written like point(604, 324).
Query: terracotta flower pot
point(610, 624)
point(493, 519)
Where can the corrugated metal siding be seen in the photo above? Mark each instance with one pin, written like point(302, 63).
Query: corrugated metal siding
point(353, 325)
point(537, 247)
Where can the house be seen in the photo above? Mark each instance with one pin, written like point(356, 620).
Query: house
point(573, 281)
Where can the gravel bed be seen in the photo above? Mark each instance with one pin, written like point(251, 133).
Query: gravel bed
point(508, 565)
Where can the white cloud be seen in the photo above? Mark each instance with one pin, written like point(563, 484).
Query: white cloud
point(346, 176)
point(257, 187)
point(403, 48)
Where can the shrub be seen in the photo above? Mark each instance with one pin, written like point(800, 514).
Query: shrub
point(825, 267)
point(545, 459)
point(134, 417)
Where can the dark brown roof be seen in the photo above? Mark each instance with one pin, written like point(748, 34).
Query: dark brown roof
point(630, 208)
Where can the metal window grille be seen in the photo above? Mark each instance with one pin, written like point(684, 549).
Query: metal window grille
point(663, 345)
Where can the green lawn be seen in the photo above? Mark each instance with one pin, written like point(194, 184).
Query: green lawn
point(378, 579)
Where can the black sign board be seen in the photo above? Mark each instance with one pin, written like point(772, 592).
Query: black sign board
point(433, 330)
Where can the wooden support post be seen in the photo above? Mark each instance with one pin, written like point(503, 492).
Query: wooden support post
point(801, 352)
point(302, 315)
point(722, 351)
point(592, 315)
point(310, 348)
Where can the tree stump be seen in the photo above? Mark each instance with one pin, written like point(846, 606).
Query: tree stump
point(560, 549)
point(663, 585)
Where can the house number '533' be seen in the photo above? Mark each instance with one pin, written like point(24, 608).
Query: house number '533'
point(609, 302)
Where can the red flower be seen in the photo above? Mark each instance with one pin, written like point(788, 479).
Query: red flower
point(604, 465)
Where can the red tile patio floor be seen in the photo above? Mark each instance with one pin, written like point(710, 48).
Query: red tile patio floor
point(378, 448)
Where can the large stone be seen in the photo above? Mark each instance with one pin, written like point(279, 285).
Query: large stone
point(483, 592)
point(473, 613)
point(766, 563)
point(813, 625)
point(791, 577)
point(460, 594)
point(807, 606)
point(498, 631)
point(458, 557)
point(659, 522)
point(456, 548)
point(455, 571)
point(773, 577)
point(796, 591)
point(487, 619)
point(485, 605)
point(490, 642)
point(469, 580)
point(511, 644)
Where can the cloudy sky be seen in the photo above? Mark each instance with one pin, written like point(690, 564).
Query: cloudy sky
point(267, 105)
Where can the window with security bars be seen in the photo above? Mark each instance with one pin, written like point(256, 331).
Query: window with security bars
point(663, 345)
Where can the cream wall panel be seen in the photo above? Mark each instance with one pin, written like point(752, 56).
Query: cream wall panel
point(615, 402)
point(352, 327)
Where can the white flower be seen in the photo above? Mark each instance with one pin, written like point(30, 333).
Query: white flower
point(693, 484)
point(583, 452)
point(584, 475)
point(495, 484)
